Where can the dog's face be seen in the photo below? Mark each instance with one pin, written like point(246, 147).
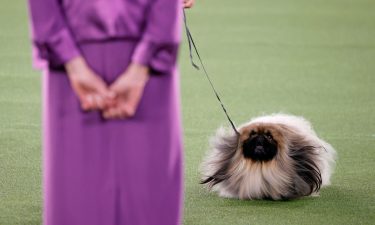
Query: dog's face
point(260, 142)
point(259, 146)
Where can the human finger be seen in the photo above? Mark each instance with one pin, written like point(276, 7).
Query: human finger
point(88, 102)
point(133, 101)
point(99, 101)
point(124, 110)
point(188, 3)
point(112, 113)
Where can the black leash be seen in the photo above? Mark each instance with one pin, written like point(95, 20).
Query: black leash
point(192, 44)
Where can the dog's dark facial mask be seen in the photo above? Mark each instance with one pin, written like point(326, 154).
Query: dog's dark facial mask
point(259, 146)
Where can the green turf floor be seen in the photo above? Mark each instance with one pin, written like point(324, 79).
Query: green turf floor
point(311, 58)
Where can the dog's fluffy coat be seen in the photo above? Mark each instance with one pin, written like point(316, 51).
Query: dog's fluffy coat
point(300, 166)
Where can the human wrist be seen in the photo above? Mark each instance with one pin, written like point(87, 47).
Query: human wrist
point(139, 70)
point(75, 66)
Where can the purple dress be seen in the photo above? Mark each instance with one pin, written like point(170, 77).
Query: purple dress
point(110, 172)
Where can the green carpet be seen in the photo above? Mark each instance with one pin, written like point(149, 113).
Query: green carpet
point(310, 58)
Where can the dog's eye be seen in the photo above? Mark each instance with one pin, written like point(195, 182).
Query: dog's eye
point(268, 135)
point(252, 133)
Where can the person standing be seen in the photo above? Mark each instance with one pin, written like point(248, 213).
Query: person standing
point(112, 136)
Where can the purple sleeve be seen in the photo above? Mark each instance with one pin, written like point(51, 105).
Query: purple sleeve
point(51, 38)
point(158, 47)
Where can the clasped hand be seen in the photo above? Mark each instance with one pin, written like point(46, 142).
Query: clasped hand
point(118, 100)
point(121, 98)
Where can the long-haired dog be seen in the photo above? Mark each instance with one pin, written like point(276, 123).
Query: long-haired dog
point(274, 157)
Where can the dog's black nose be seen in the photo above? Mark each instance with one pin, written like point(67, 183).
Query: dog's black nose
point(259, 149)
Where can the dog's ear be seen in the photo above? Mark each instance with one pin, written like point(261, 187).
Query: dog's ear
point(309, 178)
point(217, 163)
point(225, 141)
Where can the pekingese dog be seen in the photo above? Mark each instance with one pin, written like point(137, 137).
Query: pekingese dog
point(274, 157)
